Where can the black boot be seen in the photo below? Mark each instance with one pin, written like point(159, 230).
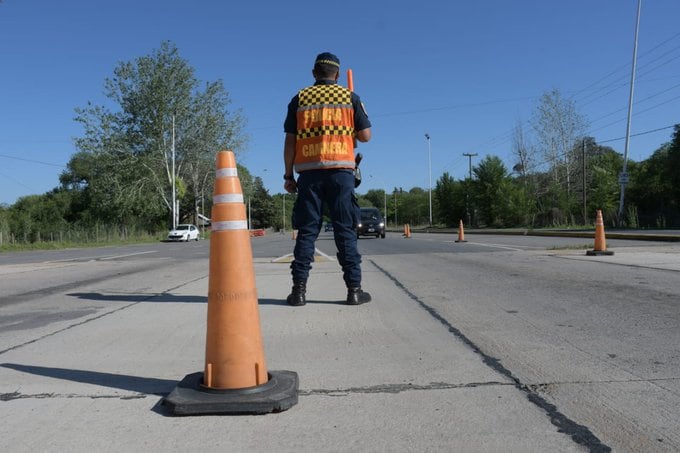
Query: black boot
point(297, 295)
point(355, 296)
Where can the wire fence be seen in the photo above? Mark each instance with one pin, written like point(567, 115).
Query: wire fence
point(98, 234)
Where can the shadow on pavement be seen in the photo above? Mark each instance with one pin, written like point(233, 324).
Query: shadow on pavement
point(149, 386)
point(181, 299)
point(283, 302)
point(165, 297)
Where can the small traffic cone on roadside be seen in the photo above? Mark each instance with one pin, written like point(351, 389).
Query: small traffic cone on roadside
point(600, 246)
point(407, 230)
point(294, 236)
point(461, 233)
point(235, 378)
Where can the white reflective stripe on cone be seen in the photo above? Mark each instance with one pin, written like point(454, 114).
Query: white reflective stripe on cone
point(225, 172)
point(230, 225)
point(228, 198)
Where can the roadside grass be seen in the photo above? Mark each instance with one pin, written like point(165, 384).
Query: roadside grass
point(102, 241)
point(59, 245)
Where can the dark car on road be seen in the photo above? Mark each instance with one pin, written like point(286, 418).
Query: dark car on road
point(371, 223)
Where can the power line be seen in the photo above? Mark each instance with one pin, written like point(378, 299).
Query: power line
point(627, 65)
point(32, 161)
point(635, 114)
point(640, 102)
point(507, 136)
point(452, 107)
point(17, 181)
point(639, 133)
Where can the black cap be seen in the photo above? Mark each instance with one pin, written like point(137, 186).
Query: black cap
point(327, 58)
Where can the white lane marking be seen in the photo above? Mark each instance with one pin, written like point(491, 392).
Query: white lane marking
point(113, 257)
point(500, 246)
point(103, 257)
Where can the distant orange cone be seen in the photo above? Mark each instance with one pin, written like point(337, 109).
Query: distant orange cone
point(461, 233)
point(600, 246)
point(294, 235)
point(407, 230)
point(235, 378)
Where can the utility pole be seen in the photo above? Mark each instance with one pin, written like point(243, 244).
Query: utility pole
point(467, 195)
point(385, 194)
point(174, 194)
point(585, 206)
point(429, 164)
point(623, 177)
point(470, 156)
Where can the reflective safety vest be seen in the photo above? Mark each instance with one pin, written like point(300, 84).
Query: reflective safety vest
point(325, 128)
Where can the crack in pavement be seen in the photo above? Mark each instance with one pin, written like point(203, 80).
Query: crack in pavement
point(69, 327)
point(373, 389)
point(398, 388)
point(56, 289)
point(19, 396)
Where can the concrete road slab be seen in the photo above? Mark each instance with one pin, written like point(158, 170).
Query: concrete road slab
point(385, 376)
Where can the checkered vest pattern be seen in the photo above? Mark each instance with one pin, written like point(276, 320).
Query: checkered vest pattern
point(325, 128)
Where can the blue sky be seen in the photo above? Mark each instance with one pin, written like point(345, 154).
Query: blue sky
point(464, 72)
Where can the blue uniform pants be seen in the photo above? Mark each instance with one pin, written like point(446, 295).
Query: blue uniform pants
point(334, 188)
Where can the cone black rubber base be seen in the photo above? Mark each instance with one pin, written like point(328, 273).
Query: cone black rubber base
point(598, 252)
point(460, 240)
point(190, 397)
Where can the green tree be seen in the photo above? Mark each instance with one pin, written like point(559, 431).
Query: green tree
point(491, 191)
point(377, 198)
point(521, 206)
point(5, 232)
point(603, 187)
point(450, 197)
point(282, 210)
point(262, 206)
point(414, 207)
point(558, 127)
point(653, 191)
point(125, 158)
point(36, 217)
point(673, 171)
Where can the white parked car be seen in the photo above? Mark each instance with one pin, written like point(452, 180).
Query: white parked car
point(184, 232)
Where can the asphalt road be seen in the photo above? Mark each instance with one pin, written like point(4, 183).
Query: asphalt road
point(591, 342)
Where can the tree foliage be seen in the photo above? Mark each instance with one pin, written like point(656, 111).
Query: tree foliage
point(125, 162)
point(654, 190)
point(491, 191)
point(452, 200)
point(558, 127)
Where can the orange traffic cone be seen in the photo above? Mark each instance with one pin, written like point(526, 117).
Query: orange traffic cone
point(461, 233)
point(407, 230)
point(235, 378)
point(600, 246)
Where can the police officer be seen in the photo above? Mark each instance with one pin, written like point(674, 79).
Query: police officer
point(321, 127)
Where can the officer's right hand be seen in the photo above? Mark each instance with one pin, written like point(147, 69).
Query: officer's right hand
point(290, 186)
